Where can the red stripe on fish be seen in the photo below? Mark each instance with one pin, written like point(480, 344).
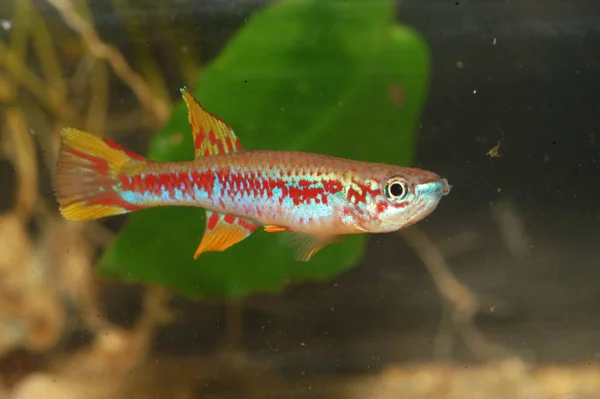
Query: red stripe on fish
point(359, 194)
point(199, 138)
point(158, 183)
point(300, 192)
point(212, 221)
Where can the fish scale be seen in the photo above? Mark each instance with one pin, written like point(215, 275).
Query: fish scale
point(285, 194)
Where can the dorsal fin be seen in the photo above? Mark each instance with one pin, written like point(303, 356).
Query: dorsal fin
point(211, 135)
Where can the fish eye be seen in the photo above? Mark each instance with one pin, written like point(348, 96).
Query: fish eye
point(395, 189)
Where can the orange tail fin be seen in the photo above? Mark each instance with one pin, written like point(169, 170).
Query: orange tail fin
point(87, 176)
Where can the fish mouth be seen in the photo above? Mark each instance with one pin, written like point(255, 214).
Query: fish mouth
point(438, 188)
point(447, 187)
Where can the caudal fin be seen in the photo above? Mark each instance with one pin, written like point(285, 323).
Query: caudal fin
point(87, 176)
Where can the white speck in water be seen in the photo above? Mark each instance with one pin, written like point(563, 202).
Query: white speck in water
point(459, 64)
point(475, 91)
point(6, 24)
point(494, 42)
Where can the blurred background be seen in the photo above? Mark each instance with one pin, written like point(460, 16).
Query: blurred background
point(494, 295)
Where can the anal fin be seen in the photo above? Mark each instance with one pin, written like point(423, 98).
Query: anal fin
point(222, 231)
point(305, 246)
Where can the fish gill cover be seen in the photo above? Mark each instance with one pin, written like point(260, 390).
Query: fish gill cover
point(335, 77)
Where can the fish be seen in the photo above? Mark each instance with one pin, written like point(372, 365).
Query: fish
point(319, 199)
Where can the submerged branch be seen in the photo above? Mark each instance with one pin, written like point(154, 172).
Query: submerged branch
point(48, 58)
point(21, 150)
point(27, 79)
point(158, 109)
point(463, 303)
point(25, 160)
point(147, 64)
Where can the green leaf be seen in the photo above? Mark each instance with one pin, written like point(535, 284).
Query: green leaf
point(326, 76)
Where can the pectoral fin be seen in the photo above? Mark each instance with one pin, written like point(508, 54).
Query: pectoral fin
point(223, 231)
point(305, 246)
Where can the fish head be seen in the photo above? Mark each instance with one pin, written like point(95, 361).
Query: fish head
point(402, 197)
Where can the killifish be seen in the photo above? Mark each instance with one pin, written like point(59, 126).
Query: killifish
point(319, 198)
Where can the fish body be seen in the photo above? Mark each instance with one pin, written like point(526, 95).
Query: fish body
point(317, 197)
